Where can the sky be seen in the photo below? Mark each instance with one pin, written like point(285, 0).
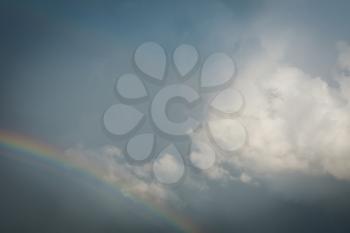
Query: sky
point(279, 162)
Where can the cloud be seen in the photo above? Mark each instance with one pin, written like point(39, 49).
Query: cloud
point(111, 166)
point(296, 123)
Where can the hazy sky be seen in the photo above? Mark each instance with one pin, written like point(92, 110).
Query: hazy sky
point(59, 64)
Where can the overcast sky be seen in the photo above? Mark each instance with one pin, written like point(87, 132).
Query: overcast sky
point(59, 65)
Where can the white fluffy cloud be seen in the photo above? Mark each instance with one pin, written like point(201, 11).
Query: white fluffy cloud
point(111, 166)
point(295, 122)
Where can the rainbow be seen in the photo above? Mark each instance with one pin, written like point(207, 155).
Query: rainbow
point(48, 154)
